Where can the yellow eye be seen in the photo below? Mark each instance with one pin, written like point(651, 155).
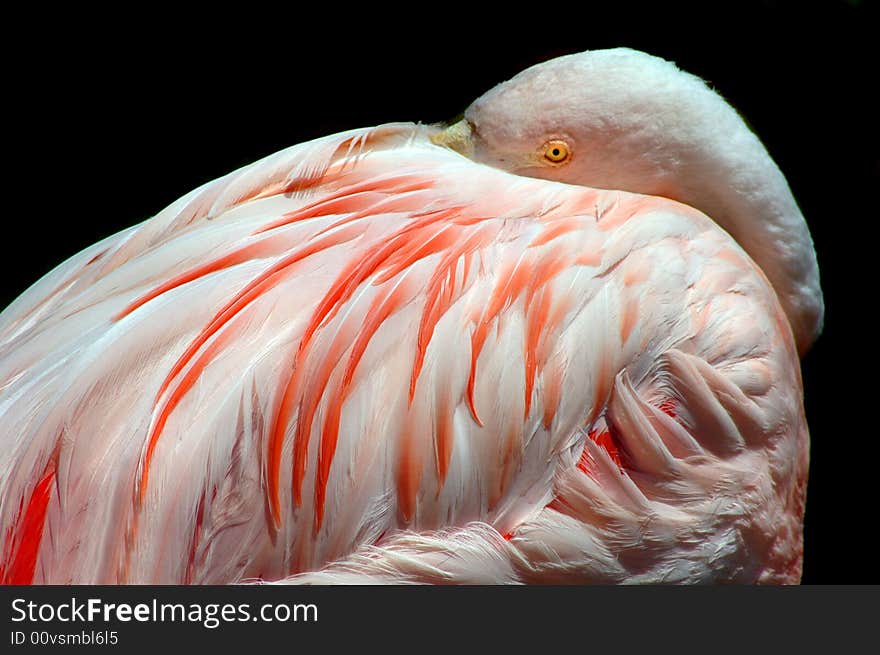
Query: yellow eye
point(556, 152)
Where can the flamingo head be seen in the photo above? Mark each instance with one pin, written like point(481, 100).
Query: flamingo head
point(606, 119)
point(622, 119)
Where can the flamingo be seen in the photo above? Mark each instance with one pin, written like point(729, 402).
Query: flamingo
point(557, 341)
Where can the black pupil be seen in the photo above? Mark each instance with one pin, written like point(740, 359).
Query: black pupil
point(555, 152)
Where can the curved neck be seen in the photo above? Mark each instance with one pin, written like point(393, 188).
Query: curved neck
point(688, 144)
point(732, 178)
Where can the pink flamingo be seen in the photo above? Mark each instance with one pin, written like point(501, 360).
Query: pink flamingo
point(555, 342)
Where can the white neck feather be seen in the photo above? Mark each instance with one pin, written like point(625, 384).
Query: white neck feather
point(726, 172)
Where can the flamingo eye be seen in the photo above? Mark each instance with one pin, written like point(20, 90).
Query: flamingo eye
point(556, 152)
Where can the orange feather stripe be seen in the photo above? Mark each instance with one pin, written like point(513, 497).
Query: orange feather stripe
point(339, 293)
point(333, 169)
point(251, 251)
point(307, 397)
point(356, 198)
point(278, 182)
point(417, 249)
point(264, 282)
point(441, 291)
point(552, 392)
point(337, 201)
point(27, 533)
point(537, 320)
point(358, 271)
point(274, 451)
point(173, 399)
point(194, 542)
point(383, 306)
point(409, 472)
point(310, 397)
point(387, 205)
point(556, 229)
point(344, 204)
point(516, 277)
point(540, 320)
point(445, 435)
point(629, 318)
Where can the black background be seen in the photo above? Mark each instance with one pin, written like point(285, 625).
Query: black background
point(112, 116)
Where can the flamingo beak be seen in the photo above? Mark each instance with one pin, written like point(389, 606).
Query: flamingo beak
point(458, 137)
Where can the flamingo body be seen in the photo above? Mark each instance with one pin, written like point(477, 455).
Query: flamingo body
point(369, 358)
